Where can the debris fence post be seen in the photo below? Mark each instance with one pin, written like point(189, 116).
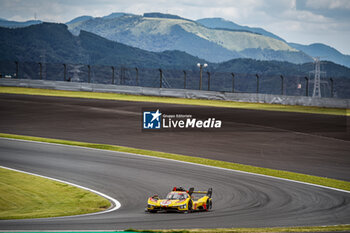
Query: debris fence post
point(122, 74)
point(17, 69)
point(233, 82)
point(160, 78)
point(185, 77)
point(64, 72)
point(282, 84)
point(208, 80)
point(306, 86)
point(41, 70)
point(112, 74)
point(200, 77)
point(137, 76)
point(332, 87)
point(89, 70)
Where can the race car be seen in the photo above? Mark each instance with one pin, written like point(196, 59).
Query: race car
point(181, 200)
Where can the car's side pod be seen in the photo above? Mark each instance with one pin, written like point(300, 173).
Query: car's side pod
point(210, 192)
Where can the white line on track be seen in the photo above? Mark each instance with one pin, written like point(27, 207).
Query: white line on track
point(179, 161)
point(116, 204)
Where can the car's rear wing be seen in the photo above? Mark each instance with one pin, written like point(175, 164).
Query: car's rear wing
point(208, 193)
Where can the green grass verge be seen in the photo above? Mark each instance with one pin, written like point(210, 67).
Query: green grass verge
point(339, 184)
point(28, 196)
point(171, 100)
point(338, 228)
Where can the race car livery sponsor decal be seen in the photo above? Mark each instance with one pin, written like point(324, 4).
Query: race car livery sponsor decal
point(165, 203)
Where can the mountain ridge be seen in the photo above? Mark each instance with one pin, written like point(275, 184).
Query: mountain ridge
point(79, 19)
point(215, 50)
point(325, 52)
point(313, 50)
point(15, 24)
point(222, 23)
point(161, 32)
point(59, 45)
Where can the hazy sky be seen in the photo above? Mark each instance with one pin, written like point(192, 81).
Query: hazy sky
point(299, 21)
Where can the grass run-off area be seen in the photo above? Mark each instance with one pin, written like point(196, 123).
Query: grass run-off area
point(28, 196)
point(339, 184)
point(172, 100)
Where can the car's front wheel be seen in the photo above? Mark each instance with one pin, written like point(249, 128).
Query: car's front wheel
point(190, 206)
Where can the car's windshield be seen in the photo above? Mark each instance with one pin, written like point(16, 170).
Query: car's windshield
point(176, 196)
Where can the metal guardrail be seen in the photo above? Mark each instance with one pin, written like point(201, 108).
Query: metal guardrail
point(181, 93)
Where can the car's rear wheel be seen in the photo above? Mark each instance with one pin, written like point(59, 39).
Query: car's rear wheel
point(209, 204)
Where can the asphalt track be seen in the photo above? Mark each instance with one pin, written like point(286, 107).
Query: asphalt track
point(306, 143)
point(240, 200)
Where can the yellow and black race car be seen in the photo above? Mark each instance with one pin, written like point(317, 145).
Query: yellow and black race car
point(181, 200)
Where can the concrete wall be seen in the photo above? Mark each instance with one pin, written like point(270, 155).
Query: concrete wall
point(193, 94)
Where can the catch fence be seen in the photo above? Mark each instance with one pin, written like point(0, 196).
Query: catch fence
point(294, 85)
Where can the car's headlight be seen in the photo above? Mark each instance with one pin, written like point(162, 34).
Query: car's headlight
point(150, 206)
point(183, 206)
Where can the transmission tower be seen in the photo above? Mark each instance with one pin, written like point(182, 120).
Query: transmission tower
point(317, 81)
